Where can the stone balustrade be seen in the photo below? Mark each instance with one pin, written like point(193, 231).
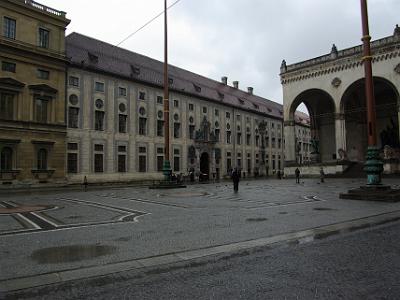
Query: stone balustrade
point(45, 8)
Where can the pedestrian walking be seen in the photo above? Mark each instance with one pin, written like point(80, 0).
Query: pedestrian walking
point(85, 183)
point(297, 173)
point(322, 175)
point(235, 179)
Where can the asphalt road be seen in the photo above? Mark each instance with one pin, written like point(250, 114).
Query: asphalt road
point(361, 265)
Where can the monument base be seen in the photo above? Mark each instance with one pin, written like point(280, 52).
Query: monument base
point(167, 185)
point(383, 193)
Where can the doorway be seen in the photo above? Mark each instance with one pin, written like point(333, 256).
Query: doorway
point(204, 166)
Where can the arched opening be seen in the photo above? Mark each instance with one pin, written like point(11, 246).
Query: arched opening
point(321, 110)
point(205, 165)
point(353, 106)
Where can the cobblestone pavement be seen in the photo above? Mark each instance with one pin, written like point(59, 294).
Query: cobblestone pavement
point(361, 265)
point(83, 229)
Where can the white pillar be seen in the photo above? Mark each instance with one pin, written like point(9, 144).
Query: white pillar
point(290, 140)
point(340, 132)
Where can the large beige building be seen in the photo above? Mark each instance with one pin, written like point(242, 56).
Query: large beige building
point(32, 92)
point(116, 126)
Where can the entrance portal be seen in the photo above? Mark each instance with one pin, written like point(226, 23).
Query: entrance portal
point(204, 166)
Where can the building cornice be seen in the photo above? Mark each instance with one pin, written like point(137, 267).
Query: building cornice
point(383, 49)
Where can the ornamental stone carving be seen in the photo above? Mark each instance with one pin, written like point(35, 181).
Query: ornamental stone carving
point(397, 69)
point(336, 82)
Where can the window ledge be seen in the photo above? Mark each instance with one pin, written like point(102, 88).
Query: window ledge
point(9, 174)
point(48, 171)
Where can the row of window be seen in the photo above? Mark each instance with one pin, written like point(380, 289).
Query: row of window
point(121, 163)
point(7, 103)
point(99, 87)
point(10, 31)
point(98, 159)
point(12, 67)
point(7, 159)
point(122, 128)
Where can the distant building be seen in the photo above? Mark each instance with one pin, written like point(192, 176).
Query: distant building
point(32, 92)
point(116, 122)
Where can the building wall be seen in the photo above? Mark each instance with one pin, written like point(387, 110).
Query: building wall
point(23, 131)
point(333, 74)
point(86, 136)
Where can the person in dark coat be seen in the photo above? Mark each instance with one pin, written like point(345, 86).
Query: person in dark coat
point(235, 179)
point(85, 183)
point(297, 173)
point(322, 175)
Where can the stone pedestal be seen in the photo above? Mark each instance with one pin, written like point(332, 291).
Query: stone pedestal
point(315, 158)
point(382, 193)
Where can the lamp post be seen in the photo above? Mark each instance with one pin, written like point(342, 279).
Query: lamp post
point(166, 164)
point(373, 165)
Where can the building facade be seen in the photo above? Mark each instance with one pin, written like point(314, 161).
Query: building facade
point(332, 88)
point(116, 122)
point(32, 92)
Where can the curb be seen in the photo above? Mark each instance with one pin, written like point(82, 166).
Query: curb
point(300, 237)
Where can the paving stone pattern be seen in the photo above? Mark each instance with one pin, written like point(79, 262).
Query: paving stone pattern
point(168, 222)
point(361, 265)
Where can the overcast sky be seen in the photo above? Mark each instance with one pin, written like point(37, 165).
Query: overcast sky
point(245, 40)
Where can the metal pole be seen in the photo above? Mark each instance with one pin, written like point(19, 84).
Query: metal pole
point(369, 85)
point(166, 166)
point(373, 165)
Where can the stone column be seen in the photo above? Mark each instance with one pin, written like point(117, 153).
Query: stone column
point(340, 132)
point(398, 118)
point(197, 161)
point(212, 169)
point(290, 140)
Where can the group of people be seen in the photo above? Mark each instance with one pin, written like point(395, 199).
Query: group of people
point(235, 176)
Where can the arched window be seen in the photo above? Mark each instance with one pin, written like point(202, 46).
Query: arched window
point(6, 159)
point(42, 159)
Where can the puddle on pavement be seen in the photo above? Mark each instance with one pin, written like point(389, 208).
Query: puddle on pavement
point(123, 239)
point(256, 219)
point(183, 194)
point(73, 253)
point(323, 208)
point(74, 217)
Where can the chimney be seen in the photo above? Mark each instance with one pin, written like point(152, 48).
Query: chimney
point(235, 84)
point(224, 80)
point(250, 90)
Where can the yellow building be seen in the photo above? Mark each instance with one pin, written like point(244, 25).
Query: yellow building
point(32, 92)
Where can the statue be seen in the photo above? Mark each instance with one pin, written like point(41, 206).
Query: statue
point(198, 134)
point(192, 152)
point(390, 136)
point(314, 146)
point(342, 154)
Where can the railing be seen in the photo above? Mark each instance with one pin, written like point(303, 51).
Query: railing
point(45, 8)
point(341, 54)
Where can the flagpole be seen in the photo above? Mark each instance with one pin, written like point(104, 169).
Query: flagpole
point(373, 165)
point(166, 165)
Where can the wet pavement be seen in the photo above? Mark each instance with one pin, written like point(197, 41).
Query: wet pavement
point(104, 227)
